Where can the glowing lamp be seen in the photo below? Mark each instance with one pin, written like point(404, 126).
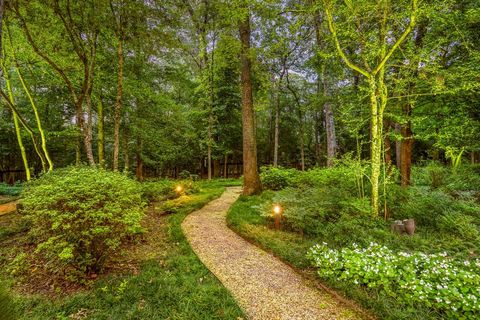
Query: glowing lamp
point(277, 209)
point(179, 189)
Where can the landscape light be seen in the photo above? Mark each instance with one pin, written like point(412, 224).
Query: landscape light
point(178, 189)
point(277, 209)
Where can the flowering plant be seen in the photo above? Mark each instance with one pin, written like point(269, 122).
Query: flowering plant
point(449, 286)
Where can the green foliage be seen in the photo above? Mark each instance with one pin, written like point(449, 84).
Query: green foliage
point(434, 175)
point(324, 205)
point(7, 307)
point(450, 287)
point(309, 210)
point(158, 190)
point(10, 190)
point(80, 215)
point(171, 283)
point(277, 178)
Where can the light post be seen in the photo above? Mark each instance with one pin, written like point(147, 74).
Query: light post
point(277, 214)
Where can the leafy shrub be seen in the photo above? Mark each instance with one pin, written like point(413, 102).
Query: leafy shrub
point(184, 174)
point(277, 178)
point(432, 208)
point(158, 190)
point(448, 286)
point(80, 215)
point(162, 190)
point(435, 175)
point(10, 190)
point(309, 210)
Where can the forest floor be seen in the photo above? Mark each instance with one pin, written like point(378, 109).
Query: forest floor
point(262, 285)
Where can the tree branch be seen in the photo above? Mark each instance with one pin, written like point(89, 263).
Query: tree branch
point(331, 26)
point(411, 24)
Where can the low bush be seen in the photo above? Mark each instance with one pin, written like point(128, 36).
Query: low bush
point(161, 190)
point(158, 190)
point(447, 286)
point(80, 215)
point(277, 178)
point(435, 175)
point(309, 210)
point(10, 190)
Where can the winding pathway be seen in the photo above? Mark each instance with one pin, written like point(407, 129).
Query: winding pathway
point(263, 286)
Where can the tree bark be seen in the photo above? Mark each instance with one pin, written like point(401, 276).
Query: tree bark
point(225, 166)
point(276, 134)
point(375, 148)
point(138, 156)
point(406, 148)
point(251, 181)
point(302, 140)
point(118, 106)
point(216, 168)
point(398, 146)
point(126, 158)
point(387, 147)
point(101, 134)
point(330, 131)
point(327, 106)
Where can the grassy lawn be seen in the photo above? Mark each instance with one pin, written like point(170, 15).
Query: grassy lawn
point(157, 277)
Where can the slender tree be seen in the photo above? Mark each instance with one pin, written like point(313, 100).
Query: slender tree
point(377, 89)
point(251, 179)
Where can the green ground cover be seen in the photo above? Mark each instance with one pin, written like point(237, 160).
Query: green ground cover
point(326, 207)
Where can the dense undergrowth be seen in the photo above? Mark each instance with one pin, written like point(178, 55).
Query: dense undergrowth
point(331, 206)
point(152, 275)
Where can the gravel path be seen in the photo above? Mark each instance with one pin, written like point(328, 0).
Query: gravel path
point(263, 286)
point(8, 207)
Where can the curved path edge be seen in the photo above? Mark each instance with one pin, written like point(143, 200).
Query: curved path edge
point(263, 286)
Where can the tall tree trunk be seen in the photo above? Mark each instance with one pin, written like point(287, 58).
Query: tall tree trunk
point(21, 146)
point(387, 147)
point(398, 146)
point(35, 111)
point(118, 106)
point(225, 166)
point(329, 121)
point(406, 148)
point(16, 123)
point(88, 129)
point(375, 148)
point(276, 134)
point(209, 151)
point(330, 132)
point(318, 146)
point(327, 106)
point(101, 134)
point(78, 151)
point(126, 158)
point(138, 156)
point(216, 168)
point(251, 181)
point(302, 141)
